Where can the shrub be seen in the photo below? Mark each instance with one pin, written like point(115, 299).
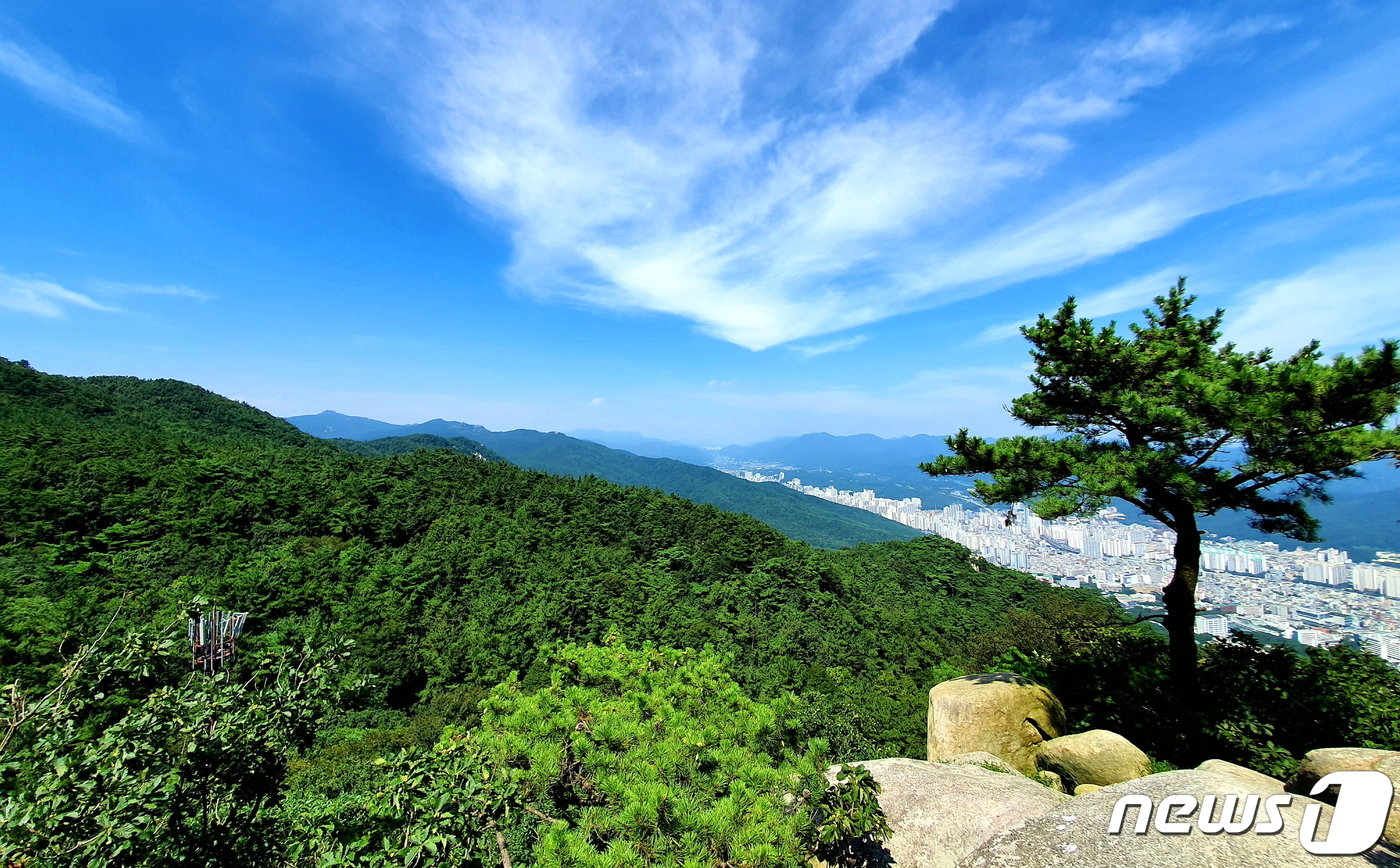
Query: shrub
point(116, 765)
point(629, 757)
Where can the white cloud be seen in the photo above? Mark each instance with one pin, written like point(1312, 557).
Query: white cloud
point(933, 401)
point(49, 79)
point(686, 162)
point(1132, 295)
point(597, 402)
point(1350, 300)
point(176, 289)
point(43, 298)
point(807, 351)
point(1287, 146)
point(1144, 54)
point(870, 38)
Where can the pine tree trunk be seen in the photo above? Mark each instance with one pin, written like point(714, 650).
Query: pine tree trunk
point(1179, 596)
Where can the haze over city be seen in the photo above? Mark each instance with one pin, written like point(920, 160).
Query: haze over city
point(715, 222)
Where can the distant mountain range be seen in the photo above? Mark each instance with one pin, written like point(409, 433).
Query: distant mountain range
point(648, 447)
point(889, 466)
point(828, 525)
point(1363, 517)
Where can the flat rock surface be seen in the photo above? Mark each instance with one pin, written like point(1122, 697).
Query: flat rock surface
point(1258, 782)
point(940, 812)
point(1076, 834)
point(980, 758)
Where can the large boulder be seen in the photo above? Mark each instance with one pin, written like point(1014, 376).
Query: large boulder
point(940, 812)
point(1003, 714)
point(1391, 769)
point(1256, 781)
point(1077, 833)
point(1094, 757)
point(1323, 761)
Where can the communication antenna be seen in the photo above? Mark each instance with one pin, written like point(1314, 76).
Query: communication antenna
point(214, 637)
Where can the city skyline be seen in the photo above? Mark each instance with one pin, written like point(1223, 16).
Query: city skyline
point(1314, 595)
point(713, 223)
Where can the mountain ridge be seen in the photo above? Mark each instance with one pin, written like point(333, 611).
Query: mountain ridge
point(1361, 517)
point(823, 524)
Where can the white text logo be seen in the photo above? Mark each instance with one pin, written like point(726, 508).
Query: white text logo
point(1357, 821)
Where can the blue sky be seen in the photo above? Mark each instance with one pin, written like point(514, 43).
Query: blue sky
point(711, 221)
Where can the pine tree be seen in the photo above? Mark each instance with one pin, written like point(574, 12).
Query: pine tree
point(1182, 426)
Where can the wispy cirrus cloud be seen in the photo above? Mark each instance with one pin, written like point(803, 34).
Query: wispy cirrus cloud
point(935, 400)
point(51, 80)
point(44, 297)
point(807, 351)
point(1129, 295)
point(178, 290)
point(772, 183)
point(1348, 300)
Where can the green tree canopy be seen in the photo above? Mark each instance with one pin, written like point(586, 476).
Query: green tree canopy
point(630, 757)
point(1180, 425)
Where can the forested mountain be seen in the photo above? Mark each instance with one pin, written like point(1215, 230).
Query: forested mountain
point(404, 445)
point(449, 657)
point(828, 525)
point(446, 568)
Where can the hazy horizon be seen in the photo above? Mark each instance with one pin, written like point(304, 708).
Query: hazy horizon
point(583, 433)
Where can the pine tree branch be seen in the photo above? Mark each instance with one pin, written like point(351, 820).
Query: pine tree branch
point(1211, 452)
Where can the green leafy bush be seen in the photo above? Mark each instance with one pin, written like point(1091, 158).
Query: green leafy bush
point(118, 764)
point(847, 823)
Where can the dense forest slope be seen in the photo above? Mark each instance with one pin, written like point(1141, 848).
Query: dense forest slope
point(445, 568)
point(823, 524)
point(505, 626)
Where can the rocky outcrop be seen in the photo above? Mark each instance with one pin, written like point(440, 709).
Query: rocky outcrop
point(1006, 715)
point(980, 727)
point(1094, 757)
point(941, 812)
point(1391, 768)
point(983, 759)
point(1076, 834)
point(1051, 780)
point(1323, 761)
point(1256, 781)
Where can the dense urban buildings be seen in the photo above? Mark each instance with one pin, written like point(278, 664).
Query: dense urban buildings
point(1314, 596)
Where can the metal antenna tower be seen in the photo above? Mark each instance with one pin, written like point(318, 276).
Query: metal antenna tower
point(213, 638)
